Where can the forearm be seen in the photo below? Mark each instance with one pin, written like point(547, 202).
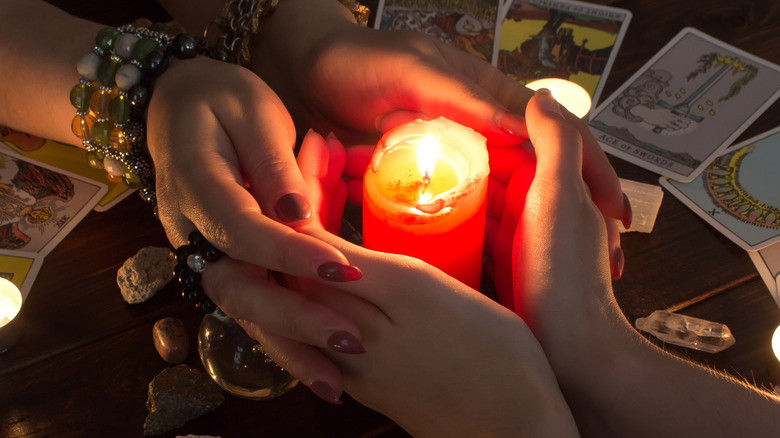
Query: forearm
point(619, 384)
point(39, 66)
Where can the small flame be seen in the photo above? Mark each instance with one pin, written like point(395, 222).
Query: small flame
point(426, 156)
point(426, 160)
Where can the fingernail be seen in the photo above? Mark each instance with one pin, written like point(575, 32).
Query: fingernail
point(345, 342)
point(333, 271)
point(547, 101)
point(293, 207)
point(629, 214)
point(616, 263)
point(325, 392)
point(513, 125)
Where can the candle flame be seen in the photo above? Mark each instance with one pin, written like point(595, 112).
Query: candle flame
point(426, 157)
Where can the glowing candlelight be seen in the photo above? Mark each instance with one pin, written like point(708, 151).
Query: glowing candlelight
point(424, 196)
point(10, 301)
point(567, 93)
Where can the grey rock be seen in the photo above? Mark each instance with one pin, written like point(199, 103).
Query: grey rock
point(142, 275)
point(177, 395)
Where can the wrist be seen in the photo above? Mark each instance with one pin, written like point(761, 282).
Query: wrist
point(292, 36)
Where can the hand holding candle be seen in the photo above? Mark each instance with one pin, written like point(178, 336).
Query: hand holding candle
point(424, 196)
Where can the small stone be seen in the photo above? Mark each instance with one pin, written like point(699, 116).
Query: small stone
point(687, 331)
point(170, 340)
point(177, 395)
point(142, 275)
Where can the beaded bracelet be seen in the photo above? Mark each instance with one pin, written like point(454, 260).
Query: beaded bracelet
point(240, 21)
point(191, 260)
point(112, 94)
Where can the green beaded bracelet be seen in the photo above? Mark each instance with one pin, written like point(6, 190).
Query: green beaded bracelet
point(111, 97)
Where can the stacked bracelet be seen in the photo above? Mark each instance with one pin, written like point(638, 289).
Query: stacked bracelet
point(112, 94)
point(191, 260)
point(240, 21)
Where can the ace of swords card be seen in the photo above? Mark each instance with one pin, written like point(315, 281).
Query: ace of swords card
point(686, 105)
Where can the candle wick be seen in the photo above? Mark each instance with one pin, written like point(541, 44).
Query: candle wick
point(426, 183)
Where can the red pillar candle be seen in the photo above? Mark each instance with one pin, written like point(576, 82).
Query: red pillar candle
point(424, 196)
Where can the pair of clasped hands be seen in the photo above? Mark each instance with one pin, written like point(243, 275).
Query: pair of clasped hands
point(381, 326)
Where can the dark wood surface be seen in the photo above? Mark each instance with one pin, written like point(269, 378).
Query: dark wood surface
point(86, 357)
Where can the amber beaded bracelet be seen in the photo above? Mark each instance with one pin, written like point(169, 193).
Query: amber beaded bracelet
point(112, 94)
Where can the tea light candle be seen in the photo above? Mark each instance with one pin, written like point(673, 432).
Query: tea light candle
point(10, 301)
point(424, 195)
point(10, 304)
point(567, 93)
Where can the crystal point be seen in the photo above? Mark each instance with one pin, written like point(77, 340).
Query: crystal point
point(687, 331)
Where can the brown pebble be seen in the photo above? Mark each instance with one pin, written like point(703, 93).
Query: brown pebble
point(170, 340)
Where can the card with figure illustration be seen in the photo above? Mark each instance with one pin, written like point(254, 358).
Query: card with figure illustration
point(65, 157)
point(565, 39)
point(20, 268)
point(738, 192)
point(686, 105)
point(40, 204)
point(468, 25)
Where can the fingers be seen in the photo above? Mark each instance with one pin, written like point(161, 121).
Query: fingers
point(244, 291)
point(357, 159)
point(304, 362)
point(558, 144)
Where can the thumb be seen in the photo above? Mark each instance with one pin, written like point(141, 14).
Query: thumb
point(558, 145)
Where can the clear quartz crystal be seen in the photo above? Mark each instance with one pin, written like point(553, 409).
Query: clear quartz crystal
point(687, 331)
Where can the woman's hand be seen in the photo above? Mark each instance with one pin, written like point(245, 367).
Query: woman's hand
point(222, 145)
point(441, 359)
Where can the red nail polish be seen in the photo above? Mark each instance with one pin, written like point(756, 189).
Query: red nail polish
point(513, 125)
point(325, 392)
point(616, 263)
point(292, 207)
point(345, 342)
point(628, 213)
point(333, 271)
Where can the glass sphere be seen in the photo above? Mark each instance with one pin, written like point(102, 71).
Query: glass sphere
point(237, 362)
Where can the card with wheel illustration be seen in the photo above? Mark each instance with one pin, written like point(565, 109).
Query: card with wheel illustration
point(737, 193)
point(686, 105)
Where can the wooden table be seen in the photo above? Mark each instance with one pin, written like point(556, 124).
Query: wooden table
point(86, 357)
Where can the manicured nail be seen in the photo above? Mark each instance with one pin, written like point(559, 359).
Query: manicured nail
point(547, 101)
point(325, 392)
point(345, 342)
point(628, 213)
point(293, 207)
point(513, 125)
point(616, 263)
point(333, 271)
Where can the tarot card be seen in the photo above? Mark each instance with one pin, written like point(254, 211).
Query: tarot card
point(20, 268)
point(738, 192)
point(686, 105)
point(468, 25)
point(65, 157)
point(564, 39)
point(767, 261)
point(40, 204)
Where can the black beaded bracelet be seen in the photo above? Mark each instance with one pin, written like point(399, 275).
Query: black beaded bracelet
point(191, 260)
